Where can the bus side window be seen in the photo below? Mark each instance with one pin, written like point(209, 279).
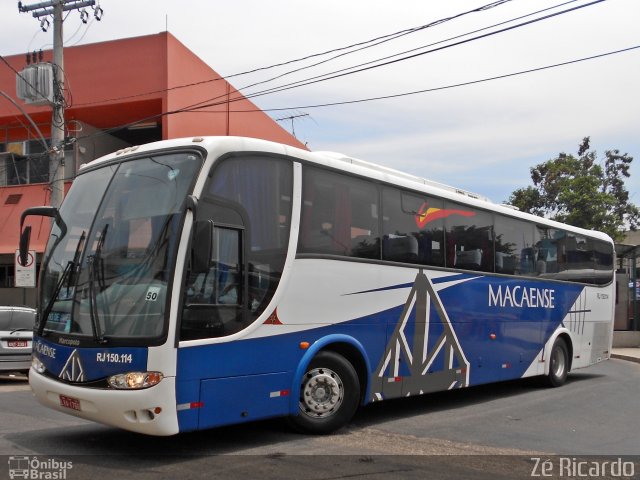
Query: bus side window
point(339, 215)
point(470, 239)
point(213, 299)
point(227, 266)
point(514, 246)
point(603, 262)
point(547, 254)
point(413, 230)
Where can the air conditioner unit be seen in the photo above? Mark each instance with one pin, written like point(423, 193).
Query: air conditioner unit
point(34, 84)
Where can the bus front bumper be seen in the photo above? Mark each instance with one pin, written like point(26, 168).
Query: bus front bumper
point(151, 411)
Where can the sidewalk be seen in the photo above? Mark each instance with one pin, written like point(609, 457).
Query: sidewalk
point(630, 354)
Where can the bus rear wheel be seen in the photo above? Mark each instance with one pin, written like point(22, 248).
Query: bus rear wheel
point(329, 394)
point(558, 364)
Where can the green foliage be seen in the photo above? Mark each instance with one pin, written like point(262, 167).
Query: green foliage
point(582, 191)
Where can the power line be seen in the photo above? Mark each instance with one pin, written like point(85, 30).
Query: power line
point(200, 106)
point(382, 39)
point(486, 7)
point(356, 46)
point(396, 34)
point(382, 97)
point(366, 66)
point(435, 89)
point(428, 45)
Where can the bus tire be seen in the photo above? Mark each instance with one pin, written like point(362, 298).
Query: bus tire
point(558, 364)
point(329, 394)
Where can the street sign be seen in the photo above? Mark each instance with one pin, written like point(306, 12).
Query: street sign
point(25, 275)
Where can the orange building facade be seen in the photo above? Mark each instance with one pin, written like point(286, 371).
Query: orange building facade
point(118, 93)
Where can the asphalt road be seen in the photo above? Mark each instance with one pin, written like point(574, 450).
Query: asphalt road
point(492, 432)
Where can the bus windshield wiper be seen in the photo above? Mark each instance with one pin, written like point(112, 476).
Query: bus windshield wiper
point(95, 264)
point(66, 275)
point(76, 259)
point(54, 297)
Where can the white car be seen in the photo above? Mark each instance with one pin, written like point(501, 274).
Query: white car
point(16, 334)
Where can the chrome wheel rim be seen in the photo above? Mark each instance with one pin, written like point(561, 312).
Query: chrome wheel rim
point(321, 393)
point(558, 363)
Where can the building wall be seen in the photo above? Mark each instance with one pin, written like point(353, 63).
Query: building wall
point(95, 74)
point(184, 67)
point(121, 81)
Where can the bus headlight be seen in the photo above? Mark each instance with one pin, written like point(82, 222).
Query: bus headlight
point(135, 380)
point(37, 365)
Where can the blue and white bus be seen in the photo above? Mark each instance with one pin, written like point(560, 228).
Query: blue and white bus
point(200, 282)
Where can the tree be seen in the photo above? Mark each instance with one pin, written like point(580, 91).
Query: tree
point(582, 191)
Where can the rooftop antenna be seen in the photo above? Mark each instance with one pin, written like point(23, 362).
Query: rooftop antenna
point(292, 117)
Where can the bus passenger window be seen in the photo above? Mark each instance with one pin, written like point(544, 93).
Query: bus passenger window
point(514, 246)
point(470, 243)
point(413, 230)
point(603, 261)
point(546, 248)
point(339, 215)
point(578, 258)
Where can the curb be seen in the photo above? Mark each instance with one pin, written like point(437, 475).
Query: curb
point(625, 357)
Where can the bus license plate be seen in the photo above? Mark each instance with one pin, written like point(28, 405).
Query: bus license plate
point(18, 343)
point(70, 402)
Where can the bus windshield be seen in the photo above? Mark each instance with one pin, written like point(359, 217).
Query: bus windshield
point(108, 276)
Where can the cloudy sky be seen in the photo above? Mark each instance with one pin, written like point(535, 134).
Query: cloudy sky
point(482, 137)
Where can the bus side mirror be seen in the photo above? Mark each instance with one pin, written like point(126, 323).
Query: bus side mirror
point(202, 246)
point(25, 233)
point(25, 236)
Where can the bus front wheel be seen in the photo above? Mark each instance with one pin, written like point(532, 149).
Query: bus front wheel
point(329, 394)
point(558, 364)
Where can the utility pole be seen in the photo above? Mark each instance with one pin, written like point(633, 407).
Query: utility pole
point(43, 10)
point(56, 159)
